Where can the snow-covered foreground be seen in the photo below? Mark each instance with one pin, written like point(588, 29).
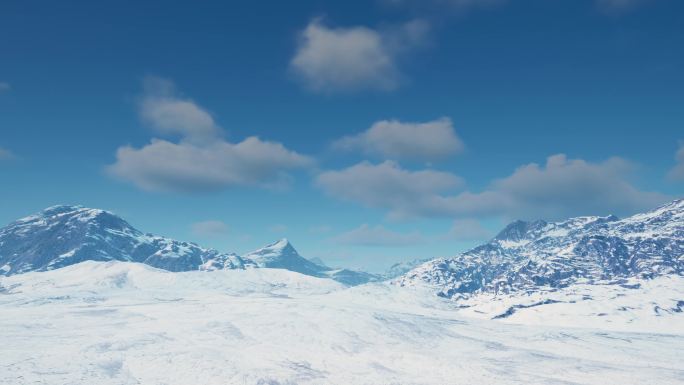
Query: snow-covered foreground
point(647, 306)
point(124, 323)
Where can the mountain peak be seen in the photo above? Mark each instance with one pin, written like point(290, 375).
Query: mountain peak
point(84, 214)
point(282, 254)
point(280, 244)
point(281, 249)
point(518, 230)
point(63, 235)
point(61, 209)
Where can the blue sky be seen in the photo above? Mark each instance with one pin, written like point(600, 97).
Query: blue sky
point(365, 132)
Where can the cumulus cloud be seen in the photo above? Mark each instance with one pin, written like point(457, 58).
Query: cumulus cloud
point(366, 235)
point(397, 140)
point(677, 172)
point(4, 86)
point(168, 113)
point(562, 187)
point(201, 161)
point(343, 59)
point(468, 229)
point(386, 185)
point(210, 229)
point(186, 167)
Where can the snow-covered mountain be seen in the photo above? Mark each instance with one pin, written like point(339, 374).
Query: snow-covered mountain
point(64, 235)
point(61, 236)
point(531, 256)
point(282, 255)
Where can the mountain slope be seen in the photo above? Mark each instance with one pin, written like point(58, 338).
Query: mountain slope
point(64, 235)
point(282, 255)
point(527, 256)
point(61, 236)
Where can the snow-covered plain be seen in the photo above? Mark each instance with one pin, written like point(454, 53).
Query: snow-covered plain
point(126, 323)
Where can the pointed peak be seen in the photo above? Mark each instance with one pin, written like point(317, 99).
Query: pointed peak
point(278, 247)
point(274, 254)
point(280, 244)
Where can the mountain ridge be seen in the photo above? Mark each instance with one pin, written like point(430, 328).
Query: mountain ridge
point(527, 256)
point(64, 235)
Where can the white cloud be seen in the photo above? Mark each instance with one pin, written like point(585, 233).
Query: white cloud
point(397, 140)
point(468, 229)
point(677, 172)
point(563, 187)
point(386, 185)
point(4, 86)
point(334, 59)
point(169, 113)
point(195, 163)
point(210, 229)
point(365, 235)
point(186, 167)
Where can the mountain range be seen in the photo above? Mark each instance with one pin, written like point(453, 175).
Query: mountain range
point(523, 257)
point(540, 255)
point(64, 235)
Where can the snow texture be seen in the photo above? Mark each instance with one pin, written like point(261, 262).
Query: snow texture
point(61, 236)
point(121, 323)
point(591, 300)
point(529, 257)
